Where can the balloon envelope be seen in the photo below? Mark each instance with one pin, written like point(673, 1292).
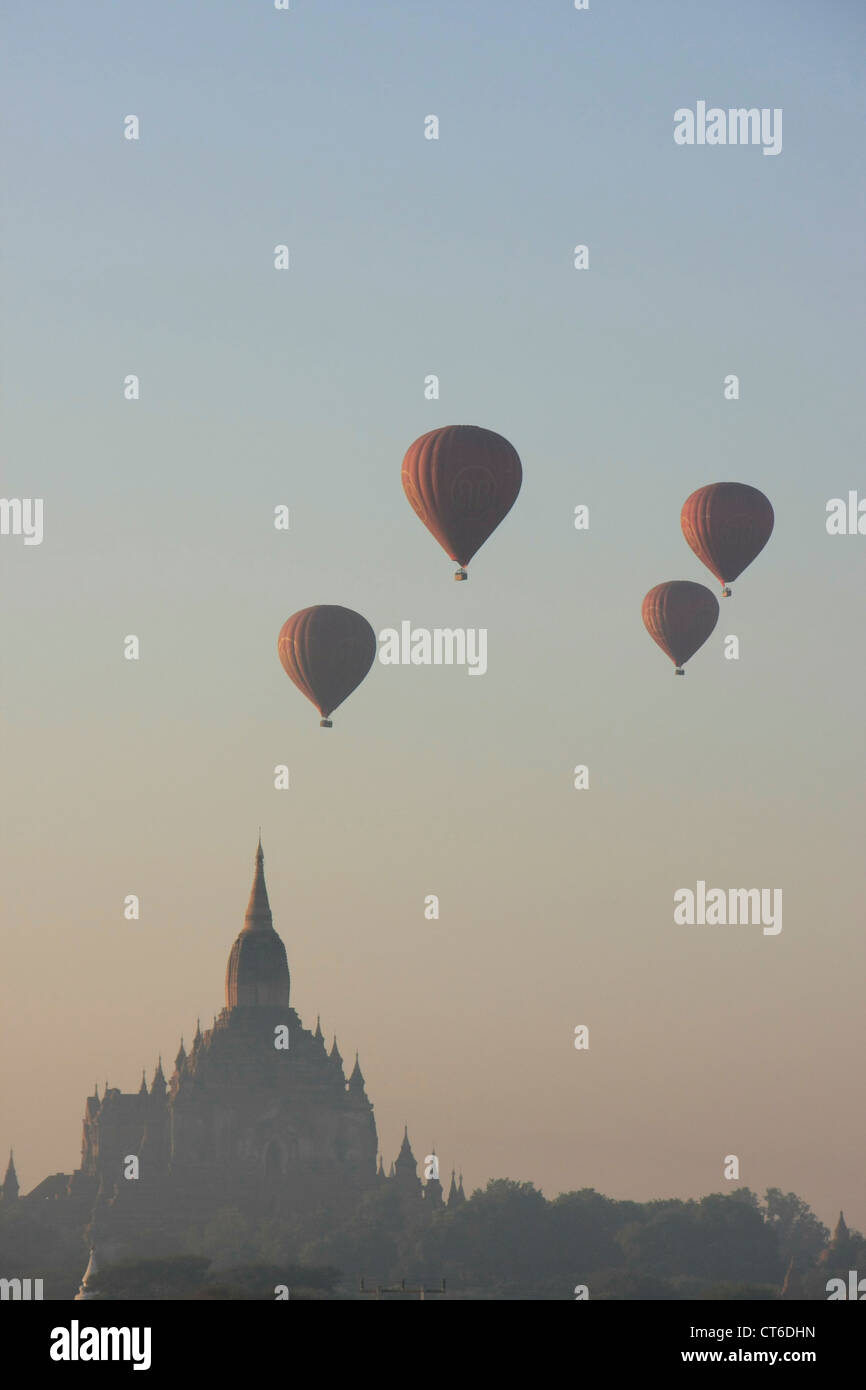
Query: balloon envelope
point(327, 651)
point(727, 525)
point(461, 481)
point(680, 616)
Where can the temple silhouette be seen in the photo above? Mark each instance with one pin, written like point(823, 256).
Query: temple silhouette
point(258, 1116)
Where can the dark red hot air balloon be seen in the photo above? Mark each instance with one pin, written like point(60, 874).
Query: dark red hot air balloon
point(327, 651)
point(461, 480)
point(727, 525)
point(680, 616)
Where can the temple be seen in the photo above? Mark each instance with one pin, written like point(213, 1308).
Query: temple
point(257, 1116)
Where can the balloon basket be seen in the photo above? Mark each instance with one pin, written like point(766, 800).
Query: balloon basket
point(678, 671)
point(726, 593)
point(325, 724)
point(460, 574)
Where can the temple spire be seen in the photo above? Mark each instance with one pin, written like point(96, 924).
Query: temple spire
point(406, 1158)
point(841, 1231)
point(10, 1182)
point(258, 916)
point(257, 974)
point(406, 1168)
point(356, 1080)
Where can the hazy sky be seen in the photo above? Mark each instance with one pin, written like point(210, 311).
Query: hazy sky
point(455, 257)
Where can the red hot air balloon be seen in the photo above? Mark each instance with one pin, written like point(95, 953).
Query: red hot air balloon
point(727, 525)
point(461, 480)
point(327, 651)
point(680, 616)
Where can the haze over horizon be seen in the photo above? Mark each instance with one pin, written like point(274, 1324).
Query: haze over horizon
point(453, 257)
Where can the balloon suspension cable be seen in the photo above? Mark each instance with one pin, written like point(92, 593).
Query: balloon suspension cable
point(461, 573)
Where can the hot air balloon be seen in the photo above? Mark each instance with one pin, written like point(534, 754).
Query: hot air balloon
point(461, 480)
point(327, 651)
point(680, 616)
point(727, 525)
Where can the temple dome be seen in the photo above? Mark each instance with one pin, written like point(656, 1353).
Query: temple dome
point(258, 971)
